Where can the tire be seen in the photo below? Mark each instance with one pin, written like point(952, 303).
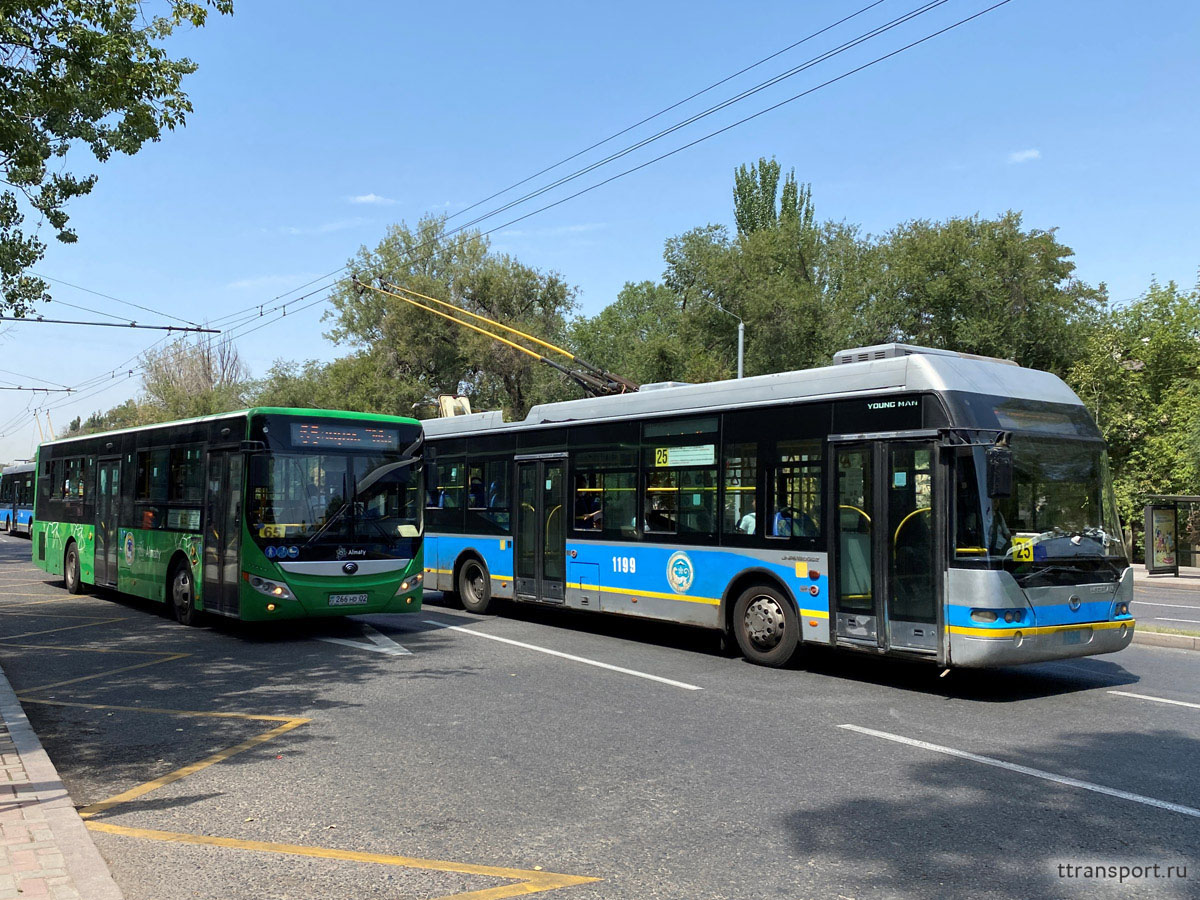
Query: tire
point(474, 587)
point(766, 626)
point(71, 576)
point(182, 595)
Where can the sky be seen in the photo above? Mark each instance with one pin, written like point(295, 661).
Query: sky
point(316, 125)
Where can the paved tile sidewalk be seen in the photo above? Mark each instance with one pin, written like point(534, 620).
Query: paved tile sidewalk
point(47, 851)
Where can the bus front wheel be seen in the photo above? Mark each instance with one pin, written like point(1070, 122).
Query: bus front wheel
point(71, 575)
point(766, 626)
point(183, 599)
point(474, 587)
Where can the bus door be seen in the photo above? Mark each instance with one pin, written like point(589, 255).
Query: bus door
point(223, 532)
point(108, 504)
point(541, 545)
point(887, 587)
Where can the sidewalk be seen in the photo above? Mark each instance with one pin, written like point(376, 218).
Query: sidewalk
point(1187, 579)
point(47, 850)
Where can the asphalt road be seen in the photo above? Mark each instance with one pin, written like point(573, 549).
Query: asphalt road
point(1168, 602)
point(405, 759)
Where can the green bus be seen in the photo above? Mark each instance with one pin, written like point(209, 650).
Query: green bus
point(260, 514)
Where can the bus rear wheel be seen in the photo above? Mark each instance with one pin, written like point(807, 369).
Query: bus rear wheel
point(183, 596)
point(474, 587)
point(71, 575)
point(766, 626)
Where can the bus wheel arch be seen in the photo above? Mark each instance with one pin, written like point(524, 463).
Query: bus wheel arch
point(762, 616)
point(473, 583)
point(72, 577)
point(181, 590)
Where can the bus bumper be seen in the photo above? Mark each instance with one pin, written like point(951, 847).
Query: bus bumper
point(1029, 645)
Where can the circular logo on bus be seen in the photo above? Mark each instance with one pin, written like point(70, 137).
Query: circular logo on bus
point(680, 573)
point(129, 549)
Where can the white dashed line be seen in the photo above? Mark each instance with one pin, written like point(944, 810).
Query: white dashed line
point(561, 655)
point(1026, 770)
point(1156, 699)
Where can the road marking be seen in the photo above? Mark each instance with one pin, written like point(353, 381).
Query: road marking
point(1026, 770)
point(169, 657)
point(1165, 619)
point(1156, 699)
point(1172, 605)
point(170, 777)
point(91, 624)
point(561, 655)
point(380, 643)
point(529, 881)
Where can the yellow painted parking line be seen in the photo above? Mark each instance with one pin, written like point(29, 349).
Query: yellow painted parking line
point(63, 628)
point(529, 881)
point(171, 657)
point(171, 777)
point(194, 713)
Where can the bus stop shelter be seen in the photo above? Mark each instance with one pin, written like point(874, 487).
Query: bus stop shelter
point(1172, 532)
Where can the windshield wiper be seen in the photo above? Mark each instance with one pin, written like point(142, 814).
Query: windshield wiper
point(371, 478)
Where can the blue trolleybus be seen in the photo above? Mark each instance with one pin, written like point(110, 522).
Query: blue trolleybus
point(903, 501)
point(16, 499)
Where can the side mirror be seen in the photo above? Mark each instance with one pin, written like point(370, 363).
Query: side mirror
point(999, 472)
point(258, 470)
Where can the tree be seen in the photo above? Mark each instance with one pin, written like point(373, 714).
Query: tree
point(986, 286)
point(1139, 373)
point(418, 355)
point(77, 73)
point(636, 336)
point(194, 378)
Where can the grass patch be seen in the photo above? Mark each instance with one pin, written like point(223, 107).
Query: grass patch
point(1188, 632)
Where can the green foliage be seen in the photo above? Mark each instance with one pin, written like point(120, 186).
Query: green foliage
point(636, 335)
point(77, 73)
point(984, 286)
point(185, 378)
point(1139, 373)
point(415, 354)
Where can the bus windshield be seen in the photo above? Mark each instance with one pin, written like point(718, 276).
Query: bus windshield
point(1061, 507)
point(319, 506)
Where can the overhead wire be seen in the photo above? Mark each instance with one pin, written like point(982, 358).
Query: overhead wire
point(246, 316)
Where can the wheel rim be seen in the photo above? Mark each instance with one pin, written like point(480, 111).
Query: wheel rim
point(475, 584)
point(764, 622)
point(72, 560)
point(181, 591)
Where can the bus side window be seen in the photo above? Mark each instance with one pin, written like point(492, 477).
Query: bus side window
point(794, 482)
point(741, 483)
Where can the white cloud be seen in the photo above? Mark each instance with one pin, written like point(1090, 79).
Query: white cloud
point(326, 228)
point(1020, 156)
point(372, 200)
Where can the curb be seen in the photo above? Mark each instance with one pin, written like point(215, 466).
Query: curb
point(82, 860)
point(1162, 639)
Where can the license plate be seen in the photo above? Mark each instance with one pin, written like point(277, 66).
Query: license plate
point(1078, 636)
point(349, 599)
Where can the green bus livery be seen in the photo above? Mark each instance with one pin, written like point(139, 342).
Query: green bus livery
point(260, 514)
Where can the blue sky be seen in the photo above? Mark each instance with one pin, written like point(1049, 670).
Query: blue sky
point(317, 124)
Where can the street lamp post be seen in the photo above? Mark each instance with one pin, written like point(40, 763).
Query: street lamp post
point(741, 330)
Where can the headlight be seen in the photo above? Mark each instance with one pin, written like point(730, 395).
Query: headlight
point(276, 590)
point(409, 583)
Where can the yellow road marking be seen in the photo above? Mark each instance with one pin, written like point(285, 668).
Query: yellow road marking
point(15, 610)
point(83, 649)
point(171, 777)
point(529, 881)
point(64, 628)
point(195, 713)
point(48, 600)
point(154, 662)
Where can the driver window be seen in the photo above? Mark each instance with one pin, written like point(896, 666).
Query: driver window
point(794, 491)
